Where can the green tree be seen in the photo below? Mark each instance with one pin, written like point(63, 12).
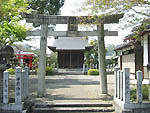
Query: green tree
point(110, 50)
point(135, 10)
point(10, 29)
point(50, 7)
point(52, 59)
point(92, 55)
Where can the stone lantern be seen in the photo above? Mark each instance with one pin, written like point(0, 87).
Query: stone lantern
point(6, 52)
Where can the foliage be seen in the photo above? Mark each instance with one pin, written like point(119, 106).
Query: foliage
point(49, 70)
point(92, 55)
point(11, 71)
point(52, 60)
point(145, 91)
point(135, 10)
point(110, 61)
point(10, 29)
point(49, 7)
point(133, 94)
point(110, 50)
point(93, 72)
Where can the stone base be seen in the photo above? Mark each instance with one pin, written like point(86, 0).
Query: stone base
point(14, 107)
point(105, 97)
point(120, 107)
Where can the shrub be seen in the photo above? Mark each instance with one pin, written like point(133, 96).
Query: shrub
point(49, 70)
point(11, 71)
point(93, 72)
point(145, 92)
point(133, 94)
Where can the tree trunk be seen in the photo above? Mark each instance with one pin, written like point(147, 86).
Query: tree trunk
point(101, 58)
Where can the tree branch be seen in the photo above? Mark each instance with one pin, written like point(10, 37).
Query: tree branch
point(140, 12)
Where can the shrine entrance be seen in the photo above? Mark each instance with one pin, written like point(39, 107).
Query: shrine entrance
point(70, 57)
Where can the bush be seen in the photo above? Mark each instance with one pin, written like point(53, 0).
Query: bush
point(11, 71)
point(93, 72)
point(145, 92)
point(49, 70)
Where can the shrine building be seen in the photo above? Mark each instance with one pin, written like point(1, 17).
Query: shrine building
point(70, 51)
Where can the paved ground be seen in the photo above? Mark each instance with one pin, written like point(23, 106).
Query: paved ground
point(71, 88)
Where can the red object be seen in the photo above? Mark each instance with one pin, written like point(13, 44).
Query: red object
point(27, 59)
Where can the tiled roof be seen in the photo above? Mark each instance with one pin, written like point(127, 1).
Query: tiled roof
point(70, 43)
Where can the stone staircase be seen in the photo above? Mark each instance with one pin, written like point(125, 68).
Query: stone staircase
point(72, 71)
point(73, 108)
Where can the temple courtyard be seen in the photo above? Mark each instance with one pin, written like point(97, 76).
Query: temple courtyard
point(71, 89)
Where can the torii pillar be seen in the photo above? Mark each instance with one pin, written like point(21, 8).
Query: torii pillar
point(44, 20)
point(42, 60)
point(101, 58)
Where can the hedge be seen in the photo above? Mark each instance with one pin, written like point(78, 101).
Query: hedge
point(93, 72)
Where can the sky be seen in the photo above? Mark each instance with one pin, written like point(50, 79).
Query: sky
point(70, 9)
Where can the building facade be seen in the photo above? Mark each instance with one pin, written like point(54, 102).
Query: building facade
point(70, 51)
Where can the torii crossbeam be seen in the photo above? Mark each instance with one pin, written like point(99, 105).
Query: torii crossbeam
point(44, 20)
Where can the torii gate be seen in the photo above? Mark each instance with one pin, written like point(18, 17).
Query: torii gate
point(72, 22)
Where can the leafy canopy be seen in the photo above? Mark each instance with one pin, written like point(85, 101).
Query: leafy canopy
point(50, 7)
point(10, 29)
point(135, 10)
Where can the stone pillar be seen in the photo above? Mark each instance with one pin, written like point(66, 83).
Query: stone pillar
point(26, 82)
point(139, 86)
point(83, 68)
point(101, 58)
point(22, 84)
point(116, 82)
point(42, 60)
point(1, 86)
point(18, 85)
point(121, 85)
point(95, 66)
point(126, 85)
point(5, 87)
point(21, 61)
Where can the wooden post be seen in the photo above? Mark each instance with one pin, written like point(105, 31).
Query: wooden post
point(42, 60)
point(101, 53)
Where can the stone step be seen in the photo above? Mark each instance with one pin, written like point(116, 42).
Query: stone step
point(73, 109)
point(73, 105)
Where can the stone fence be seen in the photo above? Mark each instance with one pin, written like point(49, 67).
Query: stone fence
point(21, 89)
point(122, 93)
